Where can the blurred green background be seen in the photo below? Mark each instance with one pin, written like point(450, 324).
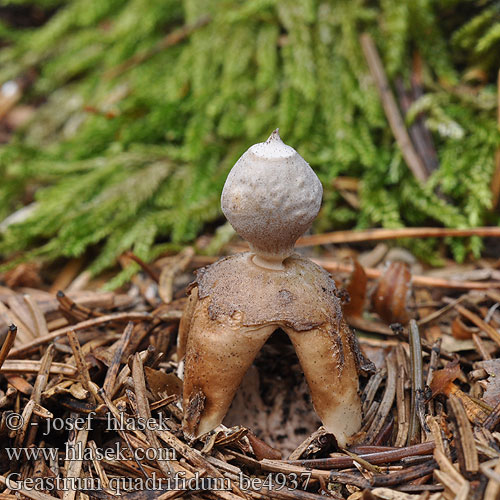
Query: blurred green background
point(135, 110)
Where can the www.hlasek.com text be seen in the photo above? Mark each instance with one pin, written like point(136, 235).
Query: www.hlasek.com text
point(79, 452)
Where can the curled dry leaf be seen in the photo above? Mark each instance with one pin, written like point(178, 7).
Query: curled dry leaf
point(357, 291)
point(391, 297)
point(25, 274)
point(163, 384)
point(460, 330)
point(442, 380)
point(262, 449)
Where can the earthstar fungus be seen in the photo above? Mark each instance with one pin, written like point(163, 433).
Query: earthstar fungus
point(271, 197)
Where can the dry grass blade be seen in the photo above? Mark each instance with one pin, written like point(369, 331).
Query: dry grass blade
point(465, 445)
point(143, 409)
point(101, 473)
point(40, 384)
point(33, 366)
point(109, 381)
point(495, 180)
point(24, 333)
point(81, 365)
point(37, 315)
point(33, 345)
point(403, 406)
point(387, 400)
point(74, 467)
point(391, 109)
point(380, 457)
point(451, 478)
point(72, 310)
point(312, 444)
point(417, 380)
point(491, 332)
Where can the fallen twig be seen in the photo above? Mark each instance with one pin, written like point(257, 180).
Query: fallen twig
point(8, 343)
point(33, 345)
point(379, 234)
point(391, 109)
point(377, 458)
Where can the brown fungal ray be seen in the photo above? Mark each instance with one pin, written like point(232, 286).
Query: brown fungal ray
point(332, 377)
point(218, 356)
point(239, 306)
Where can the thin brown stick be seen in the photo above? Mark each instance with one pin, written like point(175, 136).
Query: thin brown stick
point(464, 439)
point(379, 234)
point(33, 345)
point(8, 343)
point(417, 379)
point(417, 128)
point(440, 312)
point(74, 310)
point(149, 270)
point(170, 40)
point(40, 384)
point(404, 476)
point(109, 381)
point(81, 365)
point(387, 400)
point(391, 109)
point(75, 465)
point(37, 316)
point(492, 333)
point(30, 366)
point(402, 403)
point(144, 411)
point(377, 458)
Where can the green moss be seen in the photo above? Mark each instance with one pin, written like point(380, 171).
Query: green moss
point(137, 160)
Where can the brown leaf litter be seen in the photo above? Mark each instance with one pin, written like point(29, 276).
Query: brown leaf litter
point(90, 392)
